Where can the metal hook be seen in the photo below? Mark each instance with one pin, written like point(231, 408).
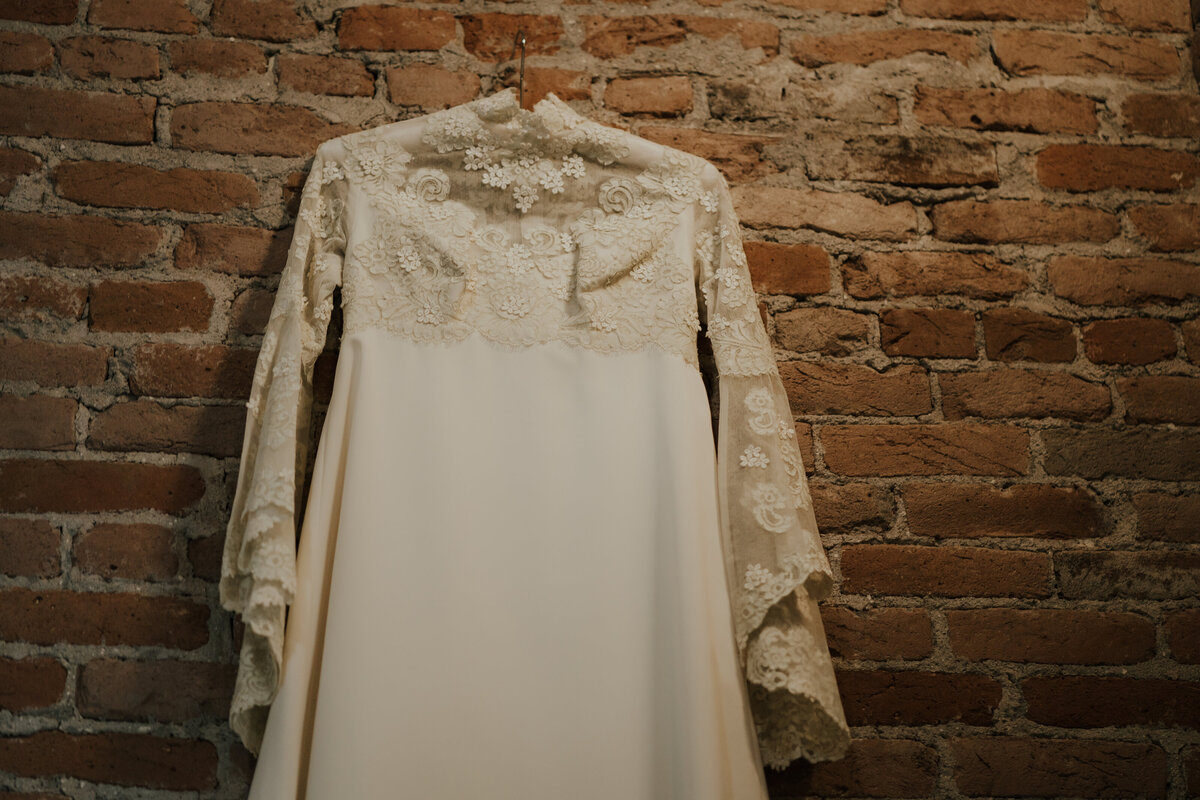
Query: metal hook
point(519, 41)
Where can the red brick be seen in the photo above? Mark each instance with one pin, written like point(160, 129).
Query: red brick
point(1009, 766)
point(908, 697)
point(851, 506)
point(1191, 339)
point(149, 306)
point(317, 74)
point(250, 311)
point(144, 425)
point(778, 95)
point(490, 37)
point(431, 86)
point(856, 389)
point(217, 57)
point(160, 690)
point(394, 28)
point(51, 616)
point(88, 57)
point(1060, 10)
point(1093, 281)
point(75, 486)
point(868, 47)
point(37, 422)
point(175, 370)
point(566, 84)
point(796, 269)
point(878, 634)
point(1162, 115)
point(16, 163)
point(1167, 227)
point(665, 96)
point(1168, 518)
point(233, 249)
point(46, 12)
point(738, 156)
point(834, 331)
point(1164, 15)
point(1022, 393)
point(965, 510)
point(1161, 398)
point(1023, 52)
point(609, 37)
point(205, 555)
point(250, 128)
point(76, 240)
point(1133, 452)
point(871, 767)
point(1094, 167)
point(923, 161)
point(1094, 701)
point(1136, 574)
point(903, 273)
point(136, 186)
point(1027, 221)
point(842, 213)
point(933, 332)
point(165, 16)
point(1050, 635)
point(31, 682)
point(28, 548)
point(1183, 635)
point(39, 298)
point(948, 571)
point(273, 20)
point(1014, 334)
point(53, 364)
point(25, 52)
point(1134, 340)
point(127, 759)
point(74, 114)
point(135, 552)
point(955, 448)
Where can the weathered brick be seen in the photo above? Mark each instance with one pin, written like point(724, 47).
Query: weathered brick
point(868, 47)
point(75, 486)
point(1094, 167)
point(610, 37)
point(878, 634)
point(1023, 52)
point(909, 697)
point(250, 311)
point(46, 12)
point(160, 690)
point(874, 274)
point(834, 331)
point(37, 422)
point(216, 57)
point(842, 213)
point(738, 156)
point(1028, 221)
point(1183, 635)
point(1167, 227)
point(566, 84)
point(149, 306)
point(912, 161)
point(1163, 115)
point(16, 163)
point(233, 249)
point(25, 53)
point(76, 240)
point(796, 269)
point(856, 389)
point(127, 759)
point(1164, 15)
point(1050, 635)
point(955, 448)
point(1132, 574)
point(871, 767)
point(53, 364)
point(1132, 453)
point(1191, 339)
point(663, 96)
point(251, 128)
point(851, 506)
point(1022, 393)
point(1097, 701)
point(273, 20)
point(50, 616)
point(88, 57)
point(144, 425)
point(137, 552)
point(31, 682)
point(962, 510)
point(1015, 334)
point(1010, 766)
point(75, 114)
point(933, 332)
point(1061, 10)
point(318, 74)
point(164, 16)
point(175, 370)
point(1161, 398)
point(431, 86)
point(948, 571)
point(781, 95)
point(205, 554)
point(1132, 340)
point(373, 27)
point(1168, 518)
point(28, 548)
point(1089, 280)
point(490, 37)
point(39, 298)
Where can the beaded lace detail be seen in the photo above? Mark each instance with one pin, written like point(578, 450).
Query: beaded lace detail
point(529, 227)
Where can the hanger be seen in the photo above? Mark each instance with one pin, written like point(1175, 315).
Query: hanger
point(519, 41)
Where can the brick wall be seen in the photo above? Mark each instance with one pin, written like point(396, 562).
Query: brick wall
point(973, 225)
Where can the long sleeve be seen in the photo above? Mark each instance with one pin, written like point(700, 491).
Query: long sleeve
point(258, 569)
point(776, 564)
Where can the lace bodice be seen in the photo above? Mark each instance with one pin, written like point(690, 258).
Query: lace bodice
point(526, 227)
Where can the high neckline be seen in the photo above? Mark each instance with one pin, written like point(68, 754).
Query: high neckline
point(504, 106)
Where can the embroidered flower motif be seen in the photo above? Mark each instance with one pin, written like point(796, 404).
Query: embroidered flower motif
point(786, 431)
point(618, 195)
point(408, 258)
point(517, 258)
point(770, 503)
point(761, 406)
point(605, 319)
point(566, 241)
point(477, 157)
point(430, 185)
point(757, 577)
point(709, 201)
point(375, 162)
point(797, 480)
point(753, 456)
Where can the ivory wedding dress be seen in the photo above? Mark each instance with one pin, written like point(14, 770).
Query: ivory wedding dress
point(526, 569)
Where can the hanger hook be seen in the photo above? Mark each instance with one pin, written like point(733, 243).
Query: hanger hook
point(519, 41)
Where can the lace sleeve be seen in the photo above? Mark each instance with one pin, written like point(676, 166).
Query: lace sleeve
point(777, 566)
point(258, 568)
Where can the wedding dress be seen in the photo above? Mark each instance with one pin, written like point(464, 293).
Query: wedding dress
point(526, 568)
